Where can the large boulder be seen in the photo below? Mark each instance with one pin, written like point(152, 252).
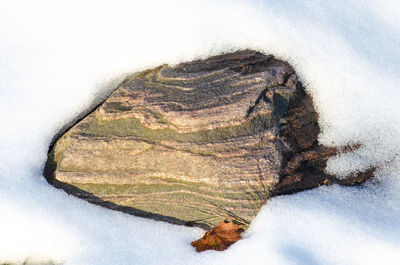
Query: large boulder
point(196, 142)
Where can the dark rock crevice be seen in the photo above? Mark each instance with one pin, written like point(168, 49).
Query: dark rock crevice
point(304, 163)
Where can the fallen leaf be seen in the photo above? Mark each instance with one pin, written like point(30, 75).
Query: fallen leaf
point(220, 237)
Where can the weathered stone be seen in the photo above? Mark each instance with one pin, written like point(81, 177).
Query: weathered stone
point(196, 142)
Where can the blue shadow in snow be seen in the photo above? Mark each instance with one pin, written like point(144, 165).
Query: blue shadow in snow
point(299, 255)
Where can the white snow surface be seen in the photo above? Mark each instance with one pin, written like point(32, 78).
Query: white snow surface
point(58, 58)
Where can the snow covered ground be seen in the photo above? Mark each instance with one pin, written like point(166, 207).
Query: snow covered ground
point(58, 57)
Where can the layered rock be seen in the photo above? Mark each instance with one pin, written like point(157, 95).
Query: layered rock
point(196, 142)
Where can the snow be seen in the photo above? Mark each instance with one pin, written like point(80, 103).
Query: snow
point(57, 58)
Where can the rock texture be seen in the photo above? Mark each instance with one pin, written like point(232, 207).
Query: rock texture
point(197, 142)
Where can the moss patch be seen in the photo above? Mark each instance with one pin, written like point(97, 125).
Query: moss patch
point(131, 127)
point(143, 189)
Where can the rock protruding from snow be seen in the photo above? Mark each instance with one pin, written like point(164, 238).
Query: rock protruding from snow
point(196, 142)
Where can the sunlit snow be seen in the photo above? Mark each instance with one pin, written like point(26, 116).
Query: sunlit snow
point(58, 58)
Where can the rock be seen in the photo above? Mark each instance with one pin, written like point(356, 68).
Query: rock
point(196, 142)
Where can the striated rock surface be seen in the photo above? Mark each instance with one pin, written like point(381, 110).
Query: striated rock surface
point(197, 142)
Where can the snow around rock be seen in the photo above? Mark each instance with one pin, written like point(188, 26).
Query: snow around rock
point(59, 58)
